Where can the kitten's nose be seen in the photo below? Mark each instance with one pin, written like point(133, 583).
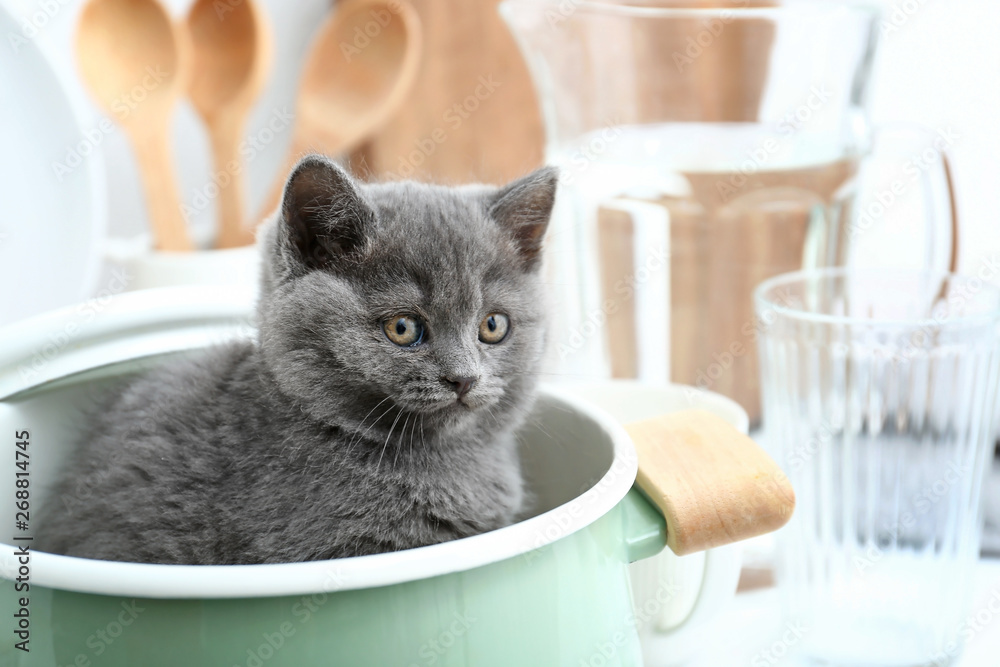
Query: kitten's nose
point(460, 385)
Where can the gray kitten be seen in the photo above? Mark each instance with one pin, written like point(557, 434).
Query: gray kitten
point(400, 332)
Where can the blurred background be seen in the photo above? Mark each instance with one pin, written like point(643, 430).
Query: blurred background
point(938, 67)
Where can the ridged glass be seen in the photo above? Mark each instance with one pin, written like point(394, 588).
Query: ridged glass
point(879, 398)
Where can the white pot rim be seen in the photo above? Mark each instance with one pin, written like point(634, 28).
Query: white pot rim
point(181, 311)
point(280, 579)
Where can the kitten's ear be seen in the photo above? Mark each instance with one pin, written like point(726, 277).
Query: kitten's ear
point(524, 207)
point(323, 213)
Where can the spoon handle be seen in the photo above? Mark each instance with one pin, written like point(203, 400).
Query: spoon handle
point(225, 136)
point(153, 154)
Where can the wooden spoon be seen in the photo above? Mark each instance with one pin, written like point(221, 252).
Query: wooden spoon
point(230, 59)
point(360, 68)
point(467, 42)
point(132, 58)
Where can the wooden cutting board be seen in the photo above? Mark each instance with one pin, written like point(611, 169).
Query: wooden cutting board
point(472, 114)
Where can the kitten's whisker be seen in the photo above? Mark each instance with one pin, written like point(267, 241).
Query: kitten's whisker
point(358, 435)
point(379, 464)
point(358, 432)
point(492, 415)
point(562, 375)
point(412, 431)
point(538, 424)
point(422, 443)
point(372, 410)
point(377, 420)
point(402, 434)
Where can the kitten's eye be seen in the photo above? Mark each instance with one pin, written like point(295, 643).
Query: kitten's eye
point(404, 330)
point(493, 328)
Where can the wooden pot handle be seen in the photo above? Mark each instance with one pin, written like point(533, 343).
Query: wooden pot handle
point(713, 484)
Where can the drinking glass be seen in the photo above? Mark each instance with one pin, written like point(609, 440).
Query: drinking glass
point(879, 395)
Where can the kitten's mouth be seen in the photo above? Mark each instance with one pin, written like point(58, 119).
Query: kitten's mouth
point(451, 404)
point(454, 404)
point(445, 405)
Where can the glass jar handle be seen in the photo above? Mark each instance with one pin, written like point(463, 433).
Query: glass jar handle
point(906, 175)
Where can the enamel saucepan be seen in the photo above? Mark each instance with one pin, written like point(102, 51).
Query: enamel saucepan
point(550, 590)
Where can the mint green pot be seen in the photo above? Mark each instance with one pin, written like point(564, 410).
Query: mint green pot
point(551, 590)
point(564, 604)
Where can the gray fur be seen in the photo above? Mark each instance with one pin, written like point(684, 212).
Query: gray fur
point(323, 439)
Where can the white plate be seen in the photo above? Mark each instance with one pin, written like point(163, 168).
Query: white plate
point(51, 220)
